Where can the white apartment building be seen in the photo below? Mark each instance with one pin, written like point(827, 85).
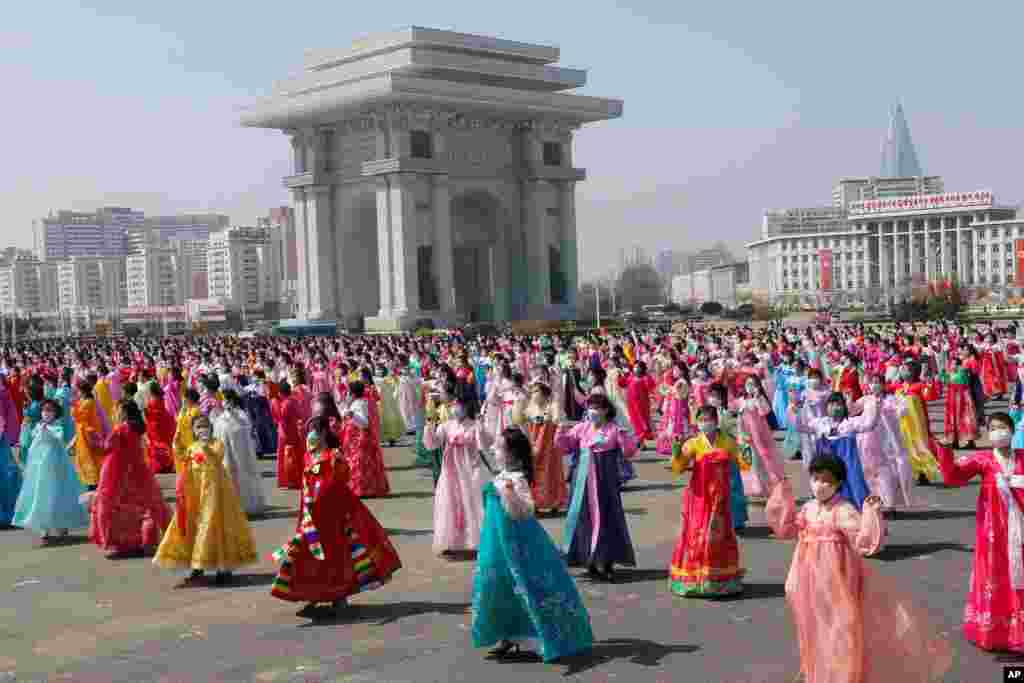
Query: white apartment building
point(157, 276)
point(27, 286)
point(76, 233)
point(239, 267)
point(92, 283)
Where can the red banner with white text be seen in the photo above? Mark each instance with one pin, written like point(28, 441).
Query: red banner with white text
point(825, 259)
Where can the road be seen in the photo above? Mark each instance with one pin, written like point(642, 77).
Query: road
point(70, 614)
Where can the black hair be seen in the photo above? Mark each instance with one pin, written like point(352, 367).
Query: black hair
point(155, 389)
point(130, 389)
point(601, 402)
point(330, 407)
point(36, 390)
point(85, 388)
point(322, 426)
point(284, 388)
point(719, 391)
point(839, 399)
point(191, 395)
point(828, 463)
point(232, 399)
point(357, 389)
point(57, 407)
point(519, 450)
point(472, 407)
point(199, 421)
point(132, 416)
point(1002, 417)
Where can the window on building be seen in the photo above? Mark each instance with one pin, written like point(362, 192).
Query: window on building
point(552, 154)
point(421, 145)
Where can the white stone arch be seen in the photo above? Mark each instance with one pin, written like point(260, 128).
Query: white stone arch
point(357, 276)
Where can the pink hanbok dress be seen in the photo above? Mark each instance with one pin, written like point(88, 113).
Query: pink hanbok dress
point(853, 624)
point(458, 498)
point(675, 422)
point(757, 444)
point(886, 465)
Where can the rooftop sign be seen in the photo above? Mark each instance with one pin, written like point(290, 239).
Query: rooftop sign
point(949, 200)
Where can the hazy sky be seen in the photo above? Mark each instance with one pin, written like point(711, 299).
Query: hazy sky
point(730, 108)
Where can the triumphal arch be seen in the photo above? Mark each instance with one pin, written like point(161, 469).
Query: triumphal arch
point(433, 178)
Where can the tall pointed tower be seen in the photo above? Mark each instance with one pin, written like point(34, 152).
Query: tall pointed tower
point(899, 158)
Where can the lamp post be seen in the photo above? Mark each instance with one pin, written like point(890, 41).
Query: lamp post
point(597, 302)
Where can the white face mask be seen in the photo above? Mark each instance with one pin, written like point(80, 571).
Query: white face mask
point(1000, 438)
point(877, 389)
point(203, 434)
point(823, 491)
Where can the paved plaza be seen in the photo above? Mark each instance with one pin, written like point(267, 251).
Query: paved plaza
point(70, 614)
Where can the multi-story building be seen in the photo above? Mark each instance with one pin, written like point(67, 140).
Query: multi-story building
point(158, 231)
point(238, 262)
point(157, 277)
point(885, 236)
point(27, 286)
point(76, 233)
point(92, 283)
point(280, 225)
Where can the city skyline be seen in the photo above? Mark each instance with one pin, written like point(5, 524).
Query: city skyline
point(766, 128)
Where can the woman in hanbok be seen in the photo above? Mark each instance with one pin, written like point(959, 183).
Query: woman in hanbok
point(183, 428)
point(160, 428)
point(233, 429)
point(725, 440)
point(10, 468)
point(994, 613)
point(884, 460)
point(853, 624)
point(128, 511)
point(458, 501)
point(757, 444)
point(675, 426)
point(88, 441)
point(961, 417)
point(837, 435)
point(915, 425)
point(210, 405)
point(780, 403)
point(391, 424)
point(436, 404)
point(290, 417)
point(609, 380)
point(596, 533)
point(550, 491)
point(49, 500)
point(993, 367)
point(257, 407)
point(367, 476)
point(706, 560)
point(410, 400)
point(339, 548)
point(32, 412)
point(521, 588)
point(210, 531)
point(172, 388)
point(640, 390)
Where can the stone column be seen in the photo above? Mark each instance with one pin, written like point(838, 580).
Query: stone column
point(442, 208)
point(345, 285)
point(534, 218)
point(298, 156)
point(302, 249)
point(958, 235)
point(322, 268)
point(405, 294)
point(384, 249)
point(570, 244)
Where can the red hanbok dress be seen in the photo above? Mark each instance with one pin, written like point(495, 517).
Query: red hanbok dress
point(160, 428)
point(707, 557)
point(639, 392)
point(550, 490)
point(128, 512)
point(368, 478)
point(291, 441)
point(993, 372)
point(994, 613)
point(339, 547)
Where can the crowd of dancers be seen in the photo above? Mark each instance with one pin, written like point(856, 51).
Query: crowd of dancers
point(515, 428)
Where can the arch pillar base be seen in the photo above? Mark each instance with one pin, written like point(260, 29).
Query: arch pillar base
point(408, 321)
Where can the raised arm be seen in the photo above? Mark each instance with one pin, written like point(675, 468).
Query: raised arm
point(957, 473)
point(781, 512)
point(865, 530)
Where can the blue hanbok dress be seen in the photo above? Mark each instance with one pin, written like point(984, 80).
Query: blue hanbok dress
point(521, 587)
point(855, 487)
point(50, 495)
point(738, 497)
point(264, 429)
point(792, 443)
point(780, 402)
point(1018, 432)
point(64, 396)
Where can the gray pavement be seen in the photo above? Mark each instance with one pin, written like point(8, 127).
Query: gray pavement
point(70, 614)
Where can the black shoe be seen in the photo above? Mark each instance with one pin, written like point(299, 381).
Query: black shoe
point(970, 445)
point(308, 611)
point(222, 578)
point(922, 480)
point(505, 650)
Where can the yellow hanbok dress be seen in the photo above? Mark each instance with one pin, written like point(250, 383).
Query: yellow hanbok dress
point(183, 436)
point(210, 531)
point(103, 396)
point(917, 438)
point(89, 451)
